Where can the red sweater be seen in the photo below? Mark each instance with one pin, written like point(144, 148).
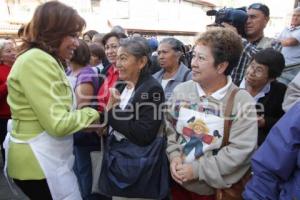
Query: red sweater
point(4, 108)
point(112, 76)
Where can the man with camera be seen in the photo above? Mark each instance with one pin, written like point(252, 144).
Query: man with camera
point(258, 18)
point(236, 19)
point(250, 25)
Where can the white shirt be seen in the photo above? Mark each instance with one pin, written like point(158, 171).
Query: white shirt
point(220, 93)
point(164, 82)
point(291, 53)
point(125, 96)
point(100, 67)
point(265, 90)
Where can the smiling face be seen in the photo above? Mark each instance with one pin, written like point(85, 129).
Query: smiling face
point(67, 47)
point(111, 48)
point(203, 67)
point(129, 66)
point(8, 54)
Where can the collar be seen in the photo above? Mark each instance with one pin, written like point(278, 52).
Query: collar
point(179, 74)
point(265, 90)
point(219, 94)
point(293, 28)
point(257, 41)
point(113, 70)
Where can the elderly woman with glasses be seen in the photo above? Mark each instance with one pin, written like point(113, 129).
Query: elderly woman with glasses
point(195, 123)
point(260, 82)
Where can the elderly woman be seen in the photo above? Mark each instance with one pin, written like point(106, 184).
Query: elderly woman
point(134, 161)
point(170, 57)
point(44, 115)
point(110, 74)
point(260, 82)
point(196, 127)
point(7, 59)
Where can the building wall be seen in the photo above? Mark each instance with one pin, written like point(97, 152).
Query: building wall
point(156, 14)
point(165, 15)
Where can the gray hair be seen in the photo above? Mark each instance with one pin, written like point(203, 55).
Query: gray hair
point(177, 46)
point(3, 42)
point(138, 47)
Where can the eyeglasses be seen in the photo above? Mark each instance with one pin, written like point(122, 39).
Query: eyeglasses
point(258, 71)
point(261, 7)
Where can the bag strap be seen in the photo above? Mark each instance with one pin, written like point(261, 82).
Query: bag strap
point(227, 115)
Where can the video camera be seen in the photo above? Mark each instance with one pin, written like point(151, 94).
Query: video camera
point(236, 17)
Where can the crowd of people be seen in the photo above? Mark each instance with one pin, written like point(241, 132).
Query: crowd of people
point(111, 116)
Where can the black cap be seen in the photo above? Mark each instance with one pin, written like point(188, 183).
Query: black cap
point(261, 7)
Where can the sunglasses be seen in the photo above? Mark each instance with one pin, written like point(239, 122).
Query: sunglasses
point(261, 7)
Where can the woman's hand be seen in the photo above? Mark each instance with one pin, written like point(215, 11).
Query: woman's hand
point(185, 171)
point(114, 98)
point(261, 121)
point(173, 168)
point(102, 131)
point(94, 127)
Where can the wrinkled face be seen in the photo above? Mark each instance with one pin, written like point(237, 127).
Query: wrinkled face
point(256, 74)
point(295, 19)
point(67, 47)
point(94, 60)
point(167, 57)
point(203, 67)
point(8, 56)
point(111, 48)
point(129, 66)
point(256, 23)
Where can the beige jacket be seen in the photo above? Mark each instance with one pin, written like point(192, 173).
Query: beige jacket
point(225, 168)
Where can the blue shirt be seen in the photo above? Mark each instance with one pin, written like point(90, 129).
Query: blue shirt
point(183, 74)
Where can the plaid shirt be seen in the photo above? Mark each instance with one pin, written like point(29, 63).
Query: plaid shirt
point(248, 52)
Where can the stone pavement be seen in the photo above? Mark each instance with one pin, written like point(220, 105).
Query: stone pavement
point(5, 192)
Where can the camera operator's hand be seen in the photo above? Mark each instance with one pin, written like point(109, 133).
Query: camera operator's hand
point(229, 26)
